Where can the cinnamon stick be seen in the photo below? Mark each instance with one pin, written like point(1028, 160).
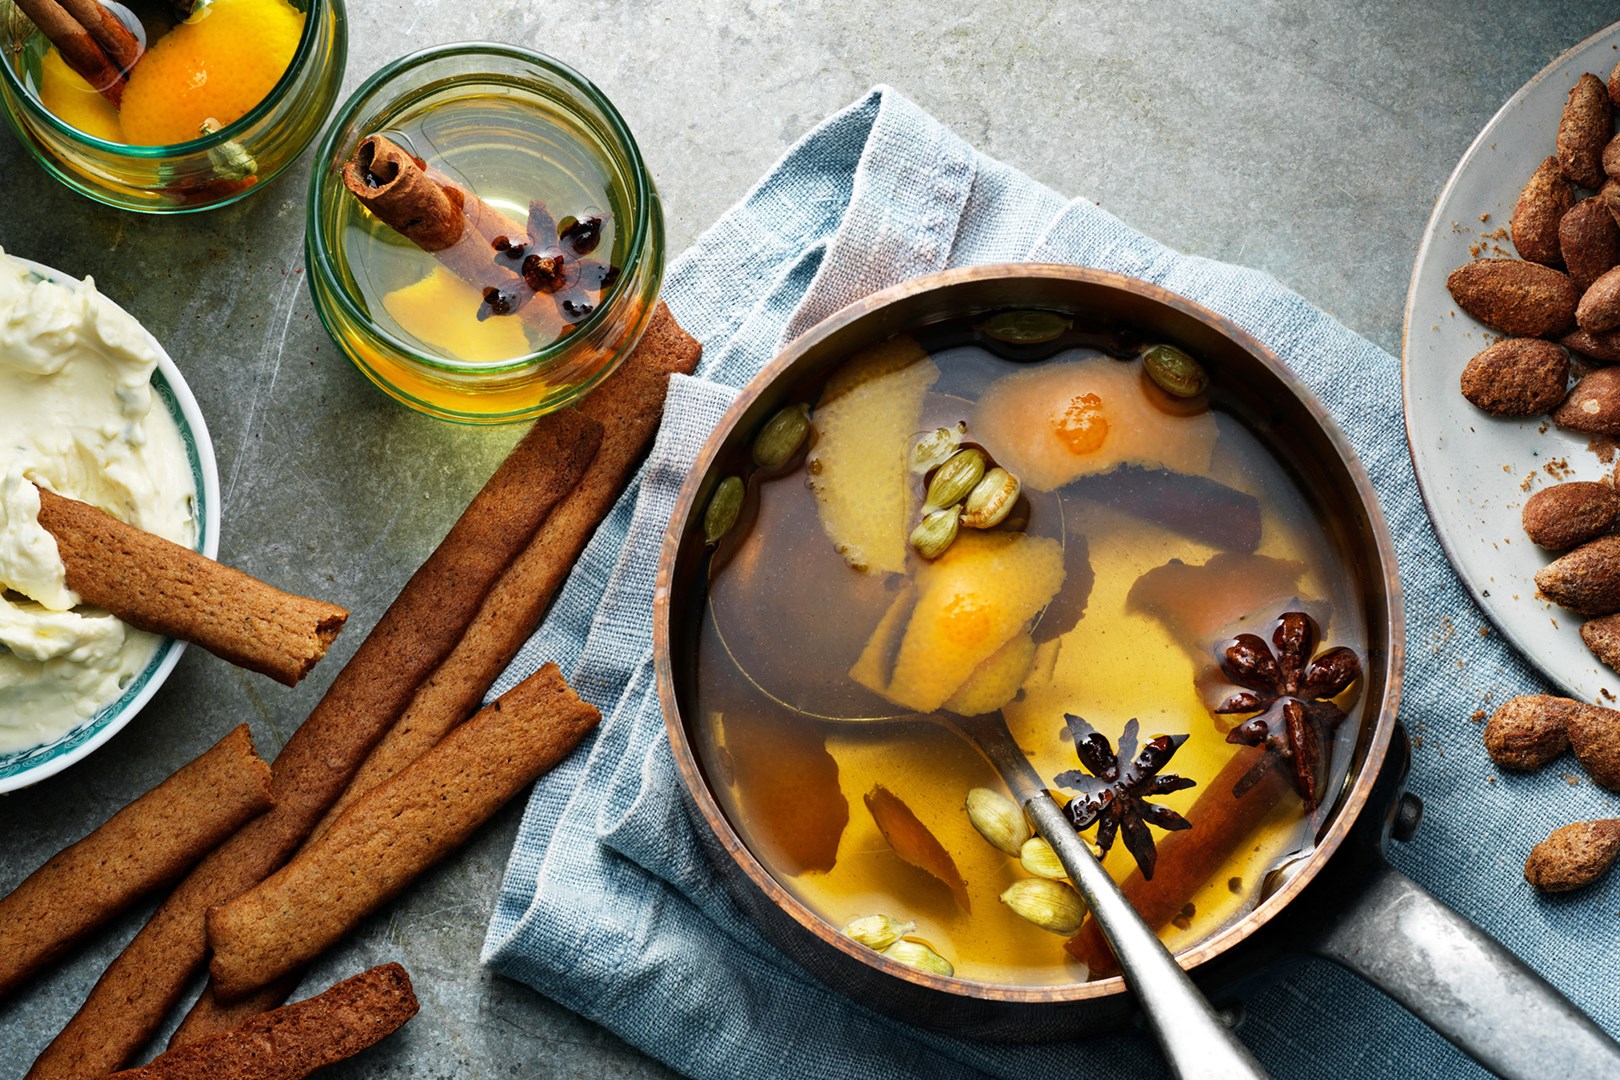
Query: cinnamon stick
point(121, 46)
point(78, 47)
point(421, 205)
point(418, 630)
point(455, 226)
point(1187, 860)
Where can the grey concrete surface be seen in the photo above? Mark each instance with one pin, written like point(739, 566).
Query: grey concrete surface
point(1308, 140)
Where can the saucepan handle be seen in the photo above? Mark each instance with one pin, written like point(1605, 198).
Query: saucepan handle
point(1456, 978)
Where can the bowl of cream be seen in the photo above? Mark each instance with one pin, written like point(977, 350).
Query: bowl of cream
point(93, 408)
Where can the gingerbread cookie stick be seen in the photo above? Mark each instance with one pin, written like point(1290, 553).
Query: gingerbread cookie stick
point(148, 843)
point(629, 404)
point(210, 1016)
point(162, 587)
point(394, 833)
point(294, 1041)
point(417, 631)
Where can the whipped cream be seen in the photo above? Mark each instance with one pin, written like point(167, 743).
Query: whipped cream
point(77, 416)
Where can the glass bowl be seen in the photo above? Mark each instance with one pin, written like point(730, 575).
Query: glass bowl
point(19, 769)
point(183, 177)
point(581, 122)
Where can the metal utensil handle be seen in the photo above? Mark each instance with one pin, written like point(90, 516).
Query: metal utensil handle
point(1462, 982)
point(1191, 1035)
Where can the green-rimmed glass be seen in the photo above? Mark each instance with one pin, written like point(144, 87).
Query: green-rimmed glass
point(189, 176)
point(525, 386)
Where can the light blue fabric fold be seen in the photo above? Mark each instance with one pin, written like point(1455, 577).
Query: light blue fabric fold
point(609, 905)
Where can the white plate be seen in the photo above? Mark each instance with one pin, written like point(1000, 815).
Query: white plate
point(25, 767)
point(1476, 471)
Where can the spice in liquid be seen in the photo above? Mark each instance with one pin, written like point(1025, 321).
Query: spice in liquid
point(1115, 663)
point(563, 257)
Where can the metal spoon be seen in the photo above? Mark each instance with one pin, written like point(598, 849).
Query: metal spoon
point(1192, 1036)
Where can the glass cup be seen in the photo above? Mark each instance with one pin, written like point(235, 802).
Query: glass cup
point(524, 386)
point(198, 175)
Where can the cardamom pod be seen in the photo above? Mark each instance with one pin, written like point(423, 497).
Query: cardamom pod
point(932, 449)
point(991, 499)
point(998, 819)
point(782, 436)
point(936, 532)
point(1038, 858)
point(1050, 905)
point(230, 160)
point(953, 480)
point(878, 931)
point(916, 954)
point(1025, 327)
point(724, 506)
point(1175, 372)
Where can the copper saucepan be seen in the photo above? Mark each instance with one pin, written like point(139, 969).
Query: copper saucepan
point(1344, 902)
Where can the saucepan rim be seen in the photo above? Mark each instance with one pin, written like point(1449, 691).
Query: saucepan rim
point(1384, 698)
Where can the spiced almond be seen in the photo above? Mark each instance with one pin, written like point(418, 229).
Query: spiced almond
point(1599, 307)
point(1609, 196)
point(1614, 86)
point(1573, 856)
point(1611, 159)
point(1594, 735)
point(1589, 241)
point(1587, 580)
point(1543, 201)
point(1593, 405)
point(1528, 731)
point(1584, 131)
point(1602, 636)
point(1517, 377)
point(1516, 296)
point(1567, 515)
point(1604, 347)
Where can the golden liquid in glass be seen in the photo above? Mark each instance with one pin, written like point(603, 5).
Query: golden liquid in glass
point(509, 146)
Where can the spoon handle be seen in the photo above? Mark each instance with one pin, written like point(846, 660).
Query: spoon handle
point(1191, 1035)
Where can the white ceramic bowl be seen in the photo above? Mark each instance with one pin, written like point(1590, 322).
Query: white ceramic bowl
point(1476, 470)
point(24, 767)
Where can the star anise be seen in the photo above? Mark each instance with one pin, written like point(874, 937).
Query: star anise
point(1292, 692)
point(1114, 794)
point(551, 260)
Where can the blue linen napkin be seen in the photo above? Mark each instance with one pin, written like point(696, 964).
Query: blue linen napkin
point(610, 907)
